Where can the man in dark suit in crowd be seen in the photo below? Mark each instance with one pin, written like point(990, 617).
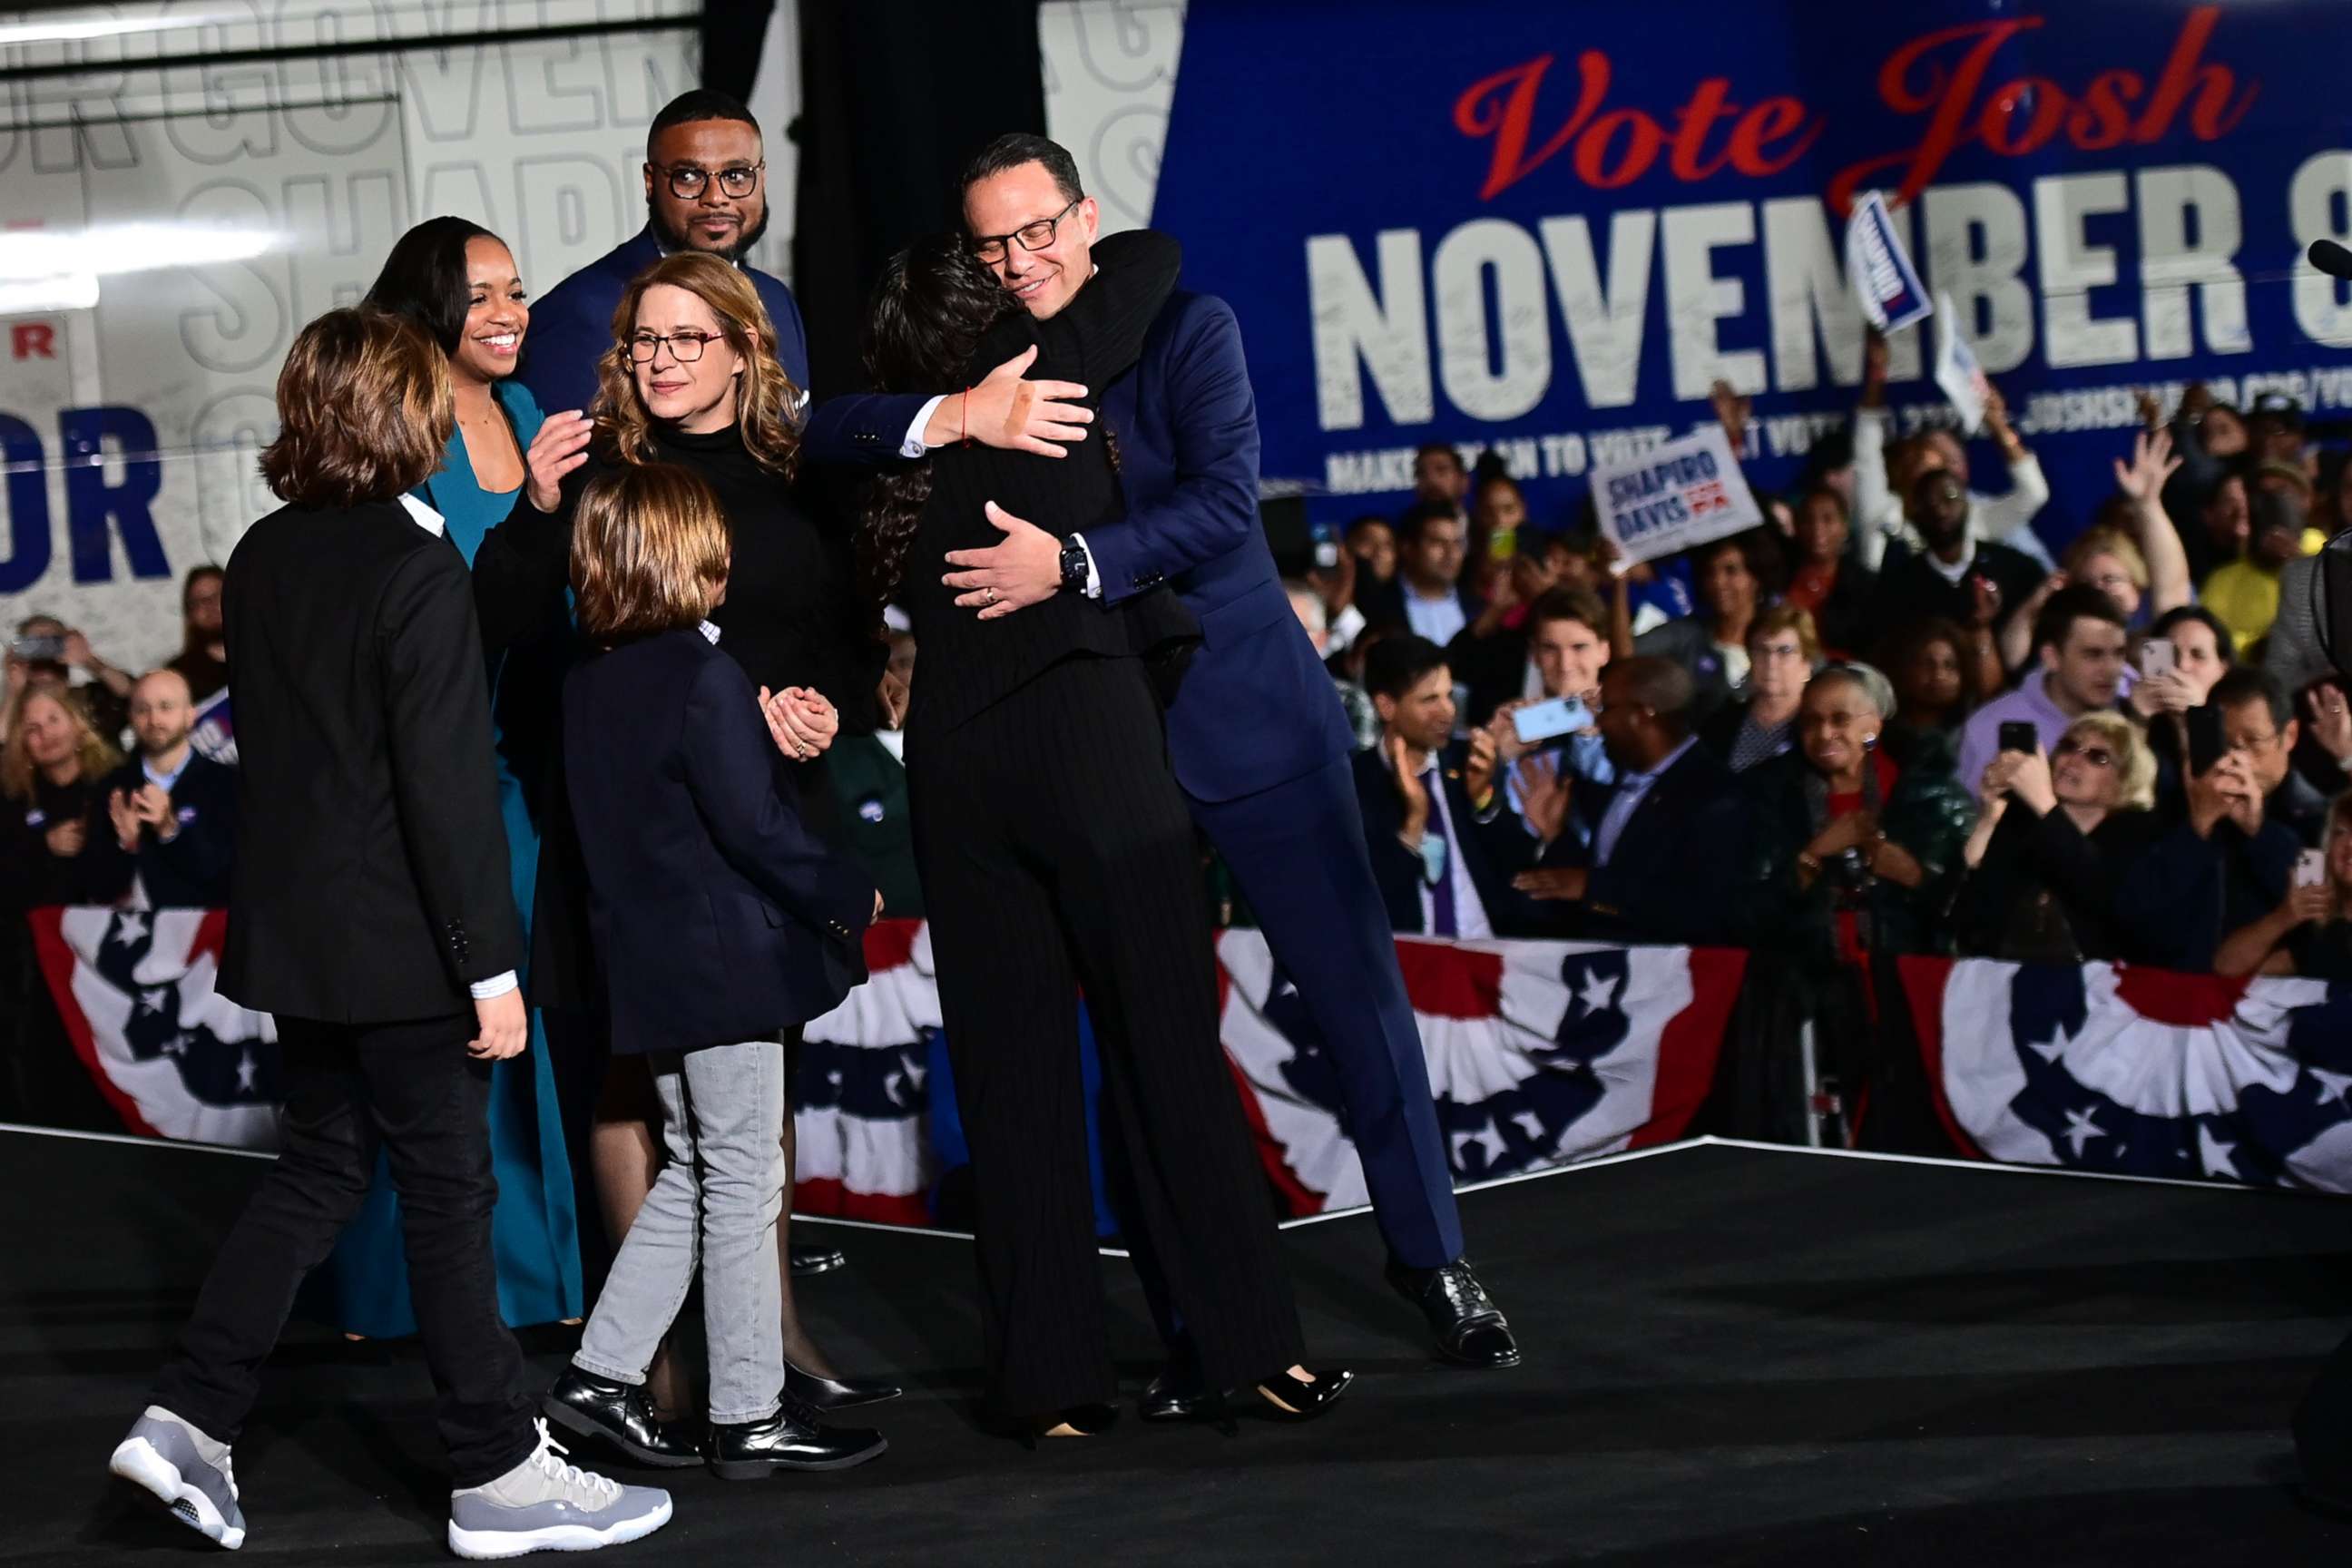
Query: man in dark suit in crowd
point(1256, 737)
point(1661, 847)
point(1443, 848)
point(174, 812)
point(374, 919)
point(706, 189)
point(1427, 596)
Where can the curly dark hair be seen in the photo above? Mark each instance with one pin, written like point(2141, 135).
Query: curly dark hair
point(933, 305)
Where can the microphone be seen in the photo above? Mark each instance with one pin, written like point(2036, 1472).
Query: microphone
point(2331, 258)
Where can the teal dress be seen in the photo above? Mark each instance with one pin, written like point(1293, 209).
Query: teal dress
point(363, 1287)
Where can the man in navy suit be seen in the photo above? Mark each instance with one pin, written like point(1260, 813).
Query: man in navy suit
point(1256, 734)
point(706, 189)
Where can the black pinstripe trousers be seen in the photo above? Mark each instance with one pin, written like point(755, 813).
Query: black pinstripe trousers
point(1055, 853)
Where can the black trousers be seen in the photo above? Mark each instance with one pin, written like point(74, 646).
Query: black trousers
point(1057, 854)
point(411, 1087)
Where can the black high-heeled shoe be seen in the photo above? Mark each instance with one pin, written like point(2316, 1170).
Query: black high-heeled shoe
point(1288, 1399)
point(1083, 1421)
point(837, 1392)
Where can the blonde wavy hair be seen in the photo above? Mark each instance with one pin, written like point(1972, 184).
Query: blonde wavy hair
point(95, 755)
point(766, 401)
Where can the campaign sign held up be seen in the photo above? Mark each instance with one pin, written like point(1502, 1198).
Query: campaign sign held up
point(1883, 280)
point(1675, 495)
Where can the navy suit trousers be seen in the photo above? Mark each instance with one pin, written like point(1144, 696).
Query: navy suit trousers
point(1297, 852)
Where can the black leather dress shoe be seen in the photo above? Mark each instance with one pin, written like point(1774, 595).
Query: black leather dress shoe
point(808, 1260)
point(1471, 1330)
point(791, 1439)
point(608, 1411)
point(1175, 1395)
point(837, 1392)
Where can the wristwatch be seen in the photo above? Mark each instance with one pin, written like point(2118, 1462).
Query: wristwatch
point(1074, 564)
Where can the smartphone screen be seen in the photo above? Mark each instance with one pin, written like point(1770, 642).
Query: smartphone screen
point(1551, 719)
point(2155, 657)
point(2311, 868)
point(2020, 735)
point(2206, 742)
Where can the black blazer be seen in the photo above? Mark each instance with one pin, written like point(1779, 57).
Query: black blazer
point(191, 871)
point(1676, 865)
point(378, 889)
point(720, 916)
point(1494, 851)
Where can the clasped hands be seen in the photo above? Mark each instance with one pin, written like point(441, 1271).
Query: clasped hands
point(800, 721)
point(150, 805)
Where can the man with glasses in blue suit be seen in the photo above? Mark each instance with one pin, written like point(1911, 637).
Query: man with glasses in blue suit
point(1256, 736)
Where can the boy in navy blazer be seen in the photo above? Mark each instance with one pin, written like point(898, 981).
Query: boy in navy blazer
point(721, 919)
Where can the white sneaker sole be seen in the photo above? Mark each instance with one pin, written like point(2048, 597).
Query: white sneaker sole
point(135, 1459)
point(490, 1544)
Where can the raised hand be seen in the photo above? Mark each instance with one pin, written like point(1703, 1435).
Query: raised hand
point(1410, 788)
point(1478, 775)
point(2152, 463)
point(2331, 721)
point(125, 820)
point(560, 445)
point(1544, 795)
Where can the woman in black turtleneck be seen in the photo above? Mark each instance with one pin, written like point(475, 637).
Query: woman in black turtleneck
point(1057, 854)
point(692, 379)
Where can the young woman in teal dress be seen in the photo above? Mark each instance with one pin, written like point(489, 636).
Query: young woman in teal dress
point(459, 282)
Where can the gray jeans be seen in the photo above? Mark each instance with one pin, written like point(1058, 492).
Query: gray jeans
point(715, 1203)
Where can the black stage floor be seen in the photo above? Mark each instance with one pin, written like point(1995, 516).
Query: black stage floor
point(1734, 1357)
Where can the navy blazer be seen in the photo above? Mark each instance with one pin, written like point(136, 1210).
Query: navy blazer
point(1254, 708)
point(1492, 851)
point(192, 871)
point(720, 916)
point(572, 325)
point(1676, 866)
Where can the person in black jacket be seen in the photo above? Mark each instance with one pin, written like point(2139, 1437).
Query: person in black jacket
point(2051, 843)
point(1659, 857)
point(1055, 851)
point(375, 921)
point(721, 919)
point(174, 812)
point(1444, 846)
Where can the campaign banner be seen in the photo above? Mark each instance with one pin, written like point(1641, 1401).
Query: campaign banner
point(1558, 229)
point(1677, 494)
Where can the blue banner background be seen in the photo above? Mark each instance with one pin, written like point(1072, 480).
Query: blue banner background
point(1294, 120)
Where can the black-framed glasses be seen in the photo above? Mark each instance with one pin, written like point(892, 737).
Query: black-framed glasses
point(686, 181)
point(1035, 235)
point(684, 347)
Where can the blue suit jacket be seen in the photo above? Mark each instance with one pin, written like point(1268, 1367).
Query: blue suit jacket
point(1255, 707)
point(719, 915)
point(572, 325)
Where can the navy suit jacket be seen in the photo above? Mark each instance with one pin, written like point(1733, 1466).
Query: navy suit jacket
point(192, 871)
point(1492, 851)
point(1674, 873)
point(1255, 707)
point(572, 325)
point(721, 917)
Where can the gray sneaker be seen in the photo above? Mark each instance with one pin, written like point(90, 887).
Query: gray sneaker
point(162, 1454)
point(546, 1505)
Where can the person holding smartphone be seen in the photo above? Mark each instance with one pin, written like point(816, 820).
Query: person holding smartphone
point(2079, 638)
point(2308, 934)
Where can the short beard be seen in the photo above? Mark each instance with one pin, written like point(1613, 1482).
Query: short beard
point(673, 241)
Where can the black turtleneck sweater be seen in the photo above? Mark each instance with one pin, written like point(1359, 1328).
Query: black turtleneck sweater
point(793, 616)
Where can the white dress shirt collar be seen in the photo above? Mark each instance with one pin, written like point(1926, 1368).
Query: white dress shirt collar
point(422, 515)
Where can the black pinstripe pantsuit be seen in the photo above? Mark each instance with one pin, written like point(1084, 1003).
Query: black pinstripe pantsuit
point(1057, 854)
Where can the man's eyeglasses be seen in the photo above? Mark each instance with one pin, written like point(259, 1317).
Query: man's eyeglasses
point(2097, 756)
point(686, 181)
point(684, 347)
point(1029, 236)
